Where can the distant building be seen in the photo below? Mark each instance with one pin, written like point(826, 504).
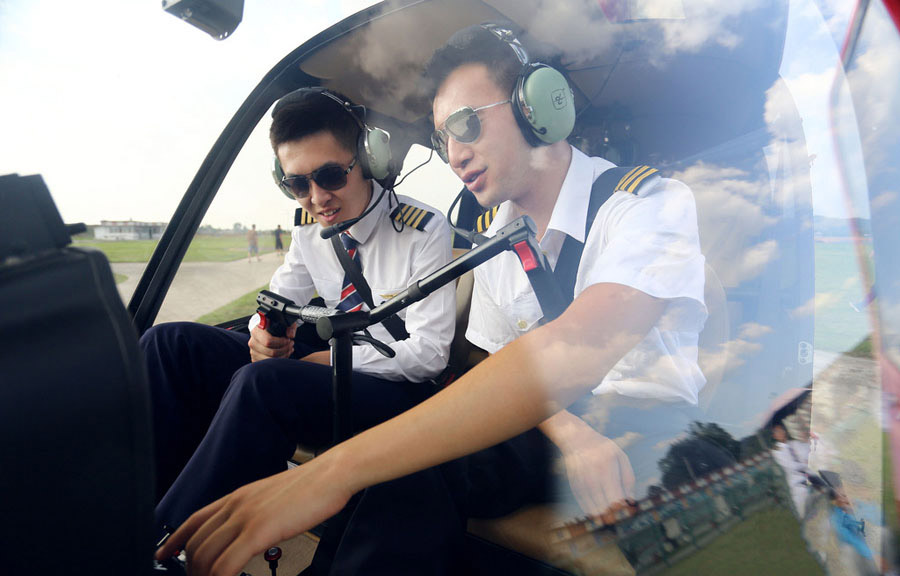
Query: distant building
point(128, 230)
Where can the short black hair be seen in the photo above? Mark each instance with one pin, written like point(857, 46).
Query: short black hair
point(474, 45)
point(308, 111)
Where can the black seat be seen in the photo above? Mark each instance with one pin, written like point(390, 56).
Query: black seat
point(76, 465)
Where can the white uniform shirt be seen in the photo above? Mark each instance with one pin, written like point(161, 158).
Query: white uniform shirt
point(390, 262)
point(648, 242)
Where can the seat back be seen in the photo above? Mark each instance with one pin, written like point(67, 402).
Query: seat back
point(76, 461)
point(463, 354)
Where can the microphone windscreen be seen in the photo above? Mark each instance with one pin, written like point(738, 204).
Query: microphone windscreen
point(327, 233)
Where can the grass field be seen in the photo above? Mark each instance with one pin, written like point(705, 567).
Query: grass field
point(838, 327)
point(243, 306)
point(202, 249)
point(769, 542)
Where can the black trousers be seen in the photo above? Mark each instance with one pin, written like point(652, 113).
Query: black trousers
point(416, 525)
point(221, 421)
point(424, 515)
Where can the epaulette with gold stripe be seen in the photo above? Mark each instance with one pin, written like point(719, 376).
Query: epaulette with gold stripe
point(484, 221)
point(639, 180)
point(412, 216)
point(302, 217)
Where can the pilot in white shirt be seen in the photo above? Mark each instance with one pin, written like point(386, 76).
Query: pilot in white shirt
point(626, 246)
point(390, 261)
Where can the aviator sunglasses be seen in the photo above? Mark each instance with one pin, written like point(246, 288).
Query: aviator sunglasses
point(463, 126)
point(331, 178)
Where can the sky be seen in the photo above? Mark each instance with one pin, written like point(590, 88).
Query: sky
point(116, 103)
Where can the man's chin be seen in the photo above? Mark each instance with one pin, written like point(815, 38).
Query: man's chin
point(484, 198)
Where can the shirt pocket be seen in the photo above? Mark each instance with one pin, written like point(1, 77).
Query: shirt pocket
point(329, 289)
point(523, 313)
point(381, 294)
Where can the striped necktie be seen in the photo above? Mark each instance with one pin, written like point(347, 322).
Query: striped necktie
point(351, 301)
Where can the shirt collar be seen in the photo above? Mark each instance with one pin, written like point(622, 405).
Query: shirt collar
point(571, 206)
point(362, 230)
point(570, 211)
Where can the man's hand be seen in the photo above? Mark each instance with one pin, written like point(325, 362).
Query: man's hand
point(263, 345)
point(221, 538)
point(320, 357)
point(599, 473)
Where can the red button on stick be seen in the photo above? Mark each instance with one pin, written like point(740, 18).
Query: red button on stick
point(529, 260)
point(272, 555)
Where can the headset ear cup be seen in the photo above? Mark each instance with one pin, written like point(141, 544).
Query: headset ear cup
point(546, 103)
point(277, 175)
point(375, 153)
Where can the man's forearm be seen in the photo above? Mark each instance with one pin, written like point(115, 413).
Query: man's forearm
point(515, 389)
point(564, 429)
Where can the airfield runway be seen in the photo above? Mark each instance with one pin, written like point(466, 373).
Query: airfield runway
point(201, 287)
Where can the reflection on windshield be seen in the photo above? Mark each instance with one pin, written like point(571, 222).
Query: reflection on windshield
point(790, 159)
point(790, 416)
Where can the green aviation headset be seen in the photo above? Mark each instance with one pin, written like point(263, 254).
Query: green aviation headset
point(543, 102)
point(373, 148)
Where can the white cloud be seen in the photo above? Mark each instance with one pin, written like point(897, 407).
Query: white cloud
point(731, 214)
point(884, 201)
point(117, 103)
point(736, 352)
point(819, 302)
point(753, 331)
point(875, 97)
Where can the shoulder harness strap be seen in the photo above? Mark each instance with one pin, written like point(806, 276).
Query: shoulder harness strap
point(302, 217)
point(412, 216)
point(637, 180)
point(393, 323)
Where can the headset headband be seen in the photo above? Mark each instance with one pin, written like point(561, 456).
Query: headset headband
point(543, 101)
point(354, 110)
point(373, 144)
point(506, 35)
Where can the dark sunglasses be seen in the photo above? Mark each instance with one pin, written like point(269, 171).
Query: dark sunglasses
point(332, 177)
point(463, 126)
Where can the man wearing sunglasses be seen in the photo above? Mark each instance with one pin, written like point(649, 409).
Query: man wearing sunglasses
point(231, 408)
point(629, 336)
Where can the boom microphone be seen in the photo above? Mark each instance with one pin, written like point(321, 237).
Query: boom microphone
point(327, 233)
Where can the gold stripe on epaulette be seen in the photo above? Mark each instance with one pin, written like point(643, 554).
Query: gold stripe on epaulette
point(403, 213)
point(638, 175)
point(302, 217)
point(418, 220)
point(483, 222)
point(412, 216)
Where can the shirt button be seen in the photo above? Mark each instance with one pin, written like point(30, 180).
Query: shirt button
point(522, 324)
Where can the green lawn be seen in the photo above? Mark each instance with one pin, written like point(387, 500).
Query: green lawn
point(243, 306)
point(202, 249)
point(769, 542)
